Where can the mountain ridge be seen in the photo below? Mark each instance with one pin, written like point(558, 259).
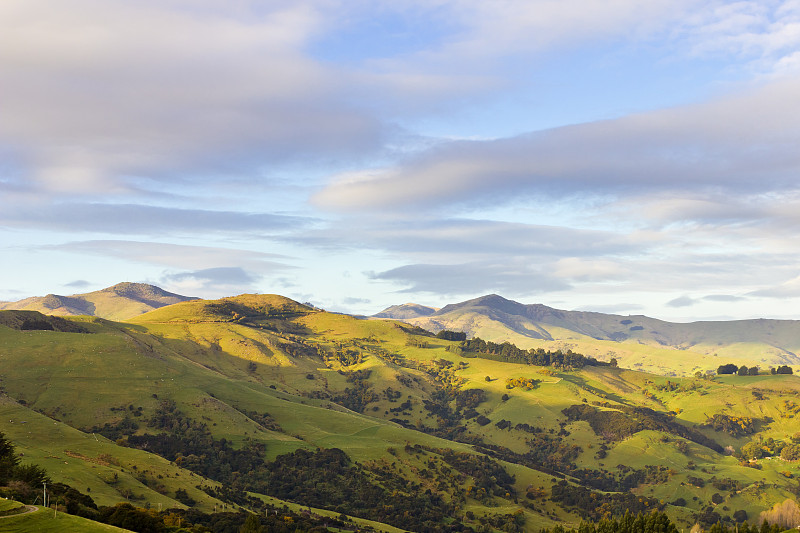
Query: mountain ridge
point(637, 339)
point(118, 302)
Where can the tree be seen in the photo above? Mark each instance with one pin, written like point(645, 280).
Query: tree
point(730, 368)
point(790, 452)
point(8, 459)
point(753, 371)
point(786, 514)
point(752, 450)
point(784, 370)
point(251, 525)
point(743, 370)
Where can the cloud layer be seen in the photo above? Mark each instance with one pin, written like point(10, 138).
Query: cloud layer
point(743, 144)
point(589, 154)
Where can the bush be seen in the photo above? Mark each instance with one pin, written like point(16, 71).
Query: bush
point(482, 420)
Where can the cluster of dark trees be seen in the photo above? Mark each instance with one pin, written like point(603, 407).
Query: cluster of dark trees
point(487, 473)
point(617, 425)
point(626, 479)
point(17, 480)
point(448, 335)
point(659, 522)
point(597, 505)
point(358, 394)
point(522, 382)
point(654, 522)
point(770, 447)
point(508, 352)
point(271, 519)
point(738, 426)
point(325, 478)
point(743, 370)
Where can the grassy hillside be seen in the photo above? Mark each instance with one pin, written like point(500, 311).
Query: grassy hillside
point(50, 521)
point(503, 445)
point(636, 341)
point(119, 302)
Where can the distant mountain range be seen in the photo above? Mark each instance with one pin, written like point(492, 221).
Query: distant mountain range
point(637, 341)
point(119, 302)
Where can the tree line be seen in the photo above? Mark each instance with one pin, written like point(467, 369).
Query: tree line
point(510, 353)
point(732, 368)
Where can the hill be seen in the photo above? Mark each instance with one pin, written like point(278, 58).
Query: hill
point(635, 341)
point(119, 302)
point(259, 402)
point(406, 311)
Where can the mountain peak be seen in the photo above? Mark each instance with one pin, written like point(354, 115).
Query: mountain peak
point(491, 301)
point(118, 302)
point(406, 311)
point(139, 291)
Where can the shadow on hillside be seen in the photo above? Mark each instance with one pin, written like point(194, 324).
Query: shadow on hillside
point(583, 384)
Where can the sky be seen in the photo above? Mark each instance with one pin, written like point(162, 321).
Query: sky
point(617, 156)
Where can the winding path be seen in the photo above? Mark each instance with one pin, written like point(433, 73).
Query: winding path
point(28, 509)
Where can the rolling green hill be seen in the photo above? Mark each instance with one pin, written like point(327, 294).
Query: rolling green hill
point(635, 341)
point(119, 302)
point(257, 400)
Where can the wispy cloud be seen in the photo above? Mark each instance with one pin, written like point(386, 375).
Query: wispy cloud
point(682, 301)
point(742, 144)
point(137, 219)
point(212, 282)
point(505, 277)
point(195, 258)
point(787, 289)
point(209, 271)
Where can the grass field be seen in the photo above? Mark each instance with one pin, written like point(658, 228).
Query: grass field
point(51, 521)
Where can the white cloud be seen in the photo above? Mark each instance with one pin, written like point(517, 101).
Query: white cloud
point(787, 289)
point(94, 91)
point(762, 34)
point(682, 301)
point(742, 143)
point(137, 219)
point(185, 257)
point(212, 282)
point(506, 276)
point(581, 269)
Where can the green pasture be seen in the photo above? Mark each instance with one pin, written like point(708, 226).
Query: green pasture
point(52, 521)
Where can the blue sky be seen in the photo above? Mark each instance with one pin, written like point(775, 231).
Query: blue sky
point(624, 156)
